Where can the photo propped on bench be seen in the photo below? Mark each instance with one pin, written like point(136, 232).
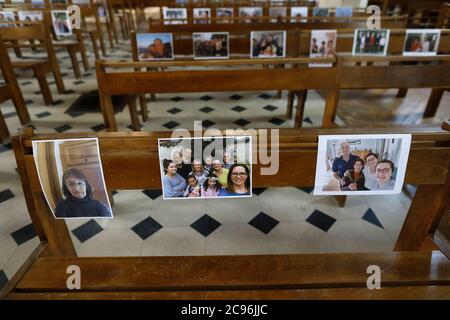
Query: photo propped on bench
point(208, 167)
point(268, 44)
point(370, 42)
point(223, 13)
point(421, 42)
point(211, 45)
point(61, 23)
point(175, 13)
point(71, 176)
point(361, 164)
point(154, 46)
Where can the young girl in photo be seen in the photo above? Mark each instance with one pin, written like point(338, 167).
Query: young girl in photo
point(211, 186)
point(193, 188)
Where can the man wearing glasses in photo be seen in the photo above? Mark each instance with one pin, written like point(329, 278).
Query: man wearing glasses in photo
point(384, 171)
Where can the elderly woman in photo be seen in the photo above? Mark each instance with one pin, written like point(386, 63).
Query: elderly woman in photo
point(238, 182)
point(198, 172)
point(174, 185)
point(384, 171)
point(211, 187)
point(354, 179)
point(78, 200)
point(220, 171)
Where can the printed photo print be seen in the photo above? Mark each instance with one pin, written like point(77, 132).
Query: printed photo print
point(71, 176)
point(203, 14)
point(251, 14)
point(61, 23)
point(370, 42)
point(343, 12)
point(361, 164)
point(30, 15)
point(224, 15)
point(154, 46)
point(211, 45)
point(208, 167)
point(320, 12)
point(6, 16)
point(323, 45)
point(421, 42)
point(175, 13)
point(277, 13)
point(268, 44)
point(299, 14)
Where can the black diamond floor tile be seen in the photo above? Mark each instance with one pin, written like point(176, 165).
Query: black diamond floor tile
point(58, 102)
point(26, 83)
point(174, 110)
point(258, 191)
point(75, 114)
point(238, 108)
point(39, 92)
point(152, 193)
point(114, 192)
point(263, 222)
point(265, 96)
point(370, 216)
point(205, 225)
point(9, 114)
point(24, 234)
point(321, 220)
point(6, 195)
point(87, 230)
point(176, 99)
point(6, 147)
point(270, 107)
point(171, 124)
point(241, 122)
point(206, 98)
point(98, 127)
point(69, 91)
point(3, 279)
point(236, 97)
point(207, 123)
point(146, 228)
point(63, 128)
point(308, 119)
point(78, 82)
point(43, 114)
point(28, 102)
point(276, 121)
point(306, 189)
point(206, 109)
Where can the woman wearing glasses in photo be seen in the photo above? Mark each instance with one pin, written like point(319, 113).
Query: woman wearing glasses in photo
point(384, 171)
point(78, 201)
point(238, 182)
point(211, 187)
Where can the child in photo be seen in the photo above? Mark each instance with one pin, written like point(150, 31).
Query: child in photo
point(211, 187)
point(193, 188)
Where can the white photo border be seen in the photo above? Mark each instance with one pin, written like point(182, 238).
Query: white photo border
point(422, 54)
point(159, 59)
point(211, 58)
point(388, 35)
point(268, 57)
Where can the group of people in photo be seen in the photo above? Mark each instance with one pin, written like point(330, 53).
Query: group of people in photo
point(211, 45)
point(368, 41)
point(268, 44)
point(356, 174)
point(325, 49)
point(185, 177)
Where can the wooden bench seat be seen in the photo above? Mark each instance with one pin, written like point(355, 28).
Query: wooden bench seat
point(264, 276)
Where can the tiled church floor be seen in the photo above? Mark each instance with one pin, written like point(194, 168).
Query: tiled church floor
point(274, 220)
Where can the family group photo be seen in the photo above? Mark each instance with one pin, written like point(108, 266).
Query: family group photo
point(251, 14)
point(30, 15)
point(61, 23)
point(218, 167)
point(361, 164)
point(202, 14)
point(223, 15)
point(370, 42)
point(421, 42)
point(71, 176)
point(179, 14)
point(154, 46)
point(323, 43)
point(268, 44)
point(211, 45)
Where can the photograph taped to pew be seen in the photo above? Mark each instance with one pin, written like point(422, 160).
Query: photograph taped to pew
point(421, 42)
point(71, 177)
point(154, 46)
point(30, 15)
point(323, 45)
point(277, 13)
point(361, 164)
point(211, 45)
point(298, 14)
point(252, 13)
point(208, 167)
point(7, 16)
point(320, 12)
point(175, 13)
point(61, 23)
point(268, 44)
point(203, 14)
point(343, 12)
point(370, 42)
point(223, 13)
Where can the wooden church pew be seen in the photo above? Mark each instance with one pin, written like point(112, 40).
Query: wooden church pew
point(406, 272)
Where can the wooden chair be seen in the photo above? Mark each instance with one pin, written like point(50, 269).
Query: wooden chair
point(252, 78)
point(10, 90)
point(39, 33)
point(416, 269)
